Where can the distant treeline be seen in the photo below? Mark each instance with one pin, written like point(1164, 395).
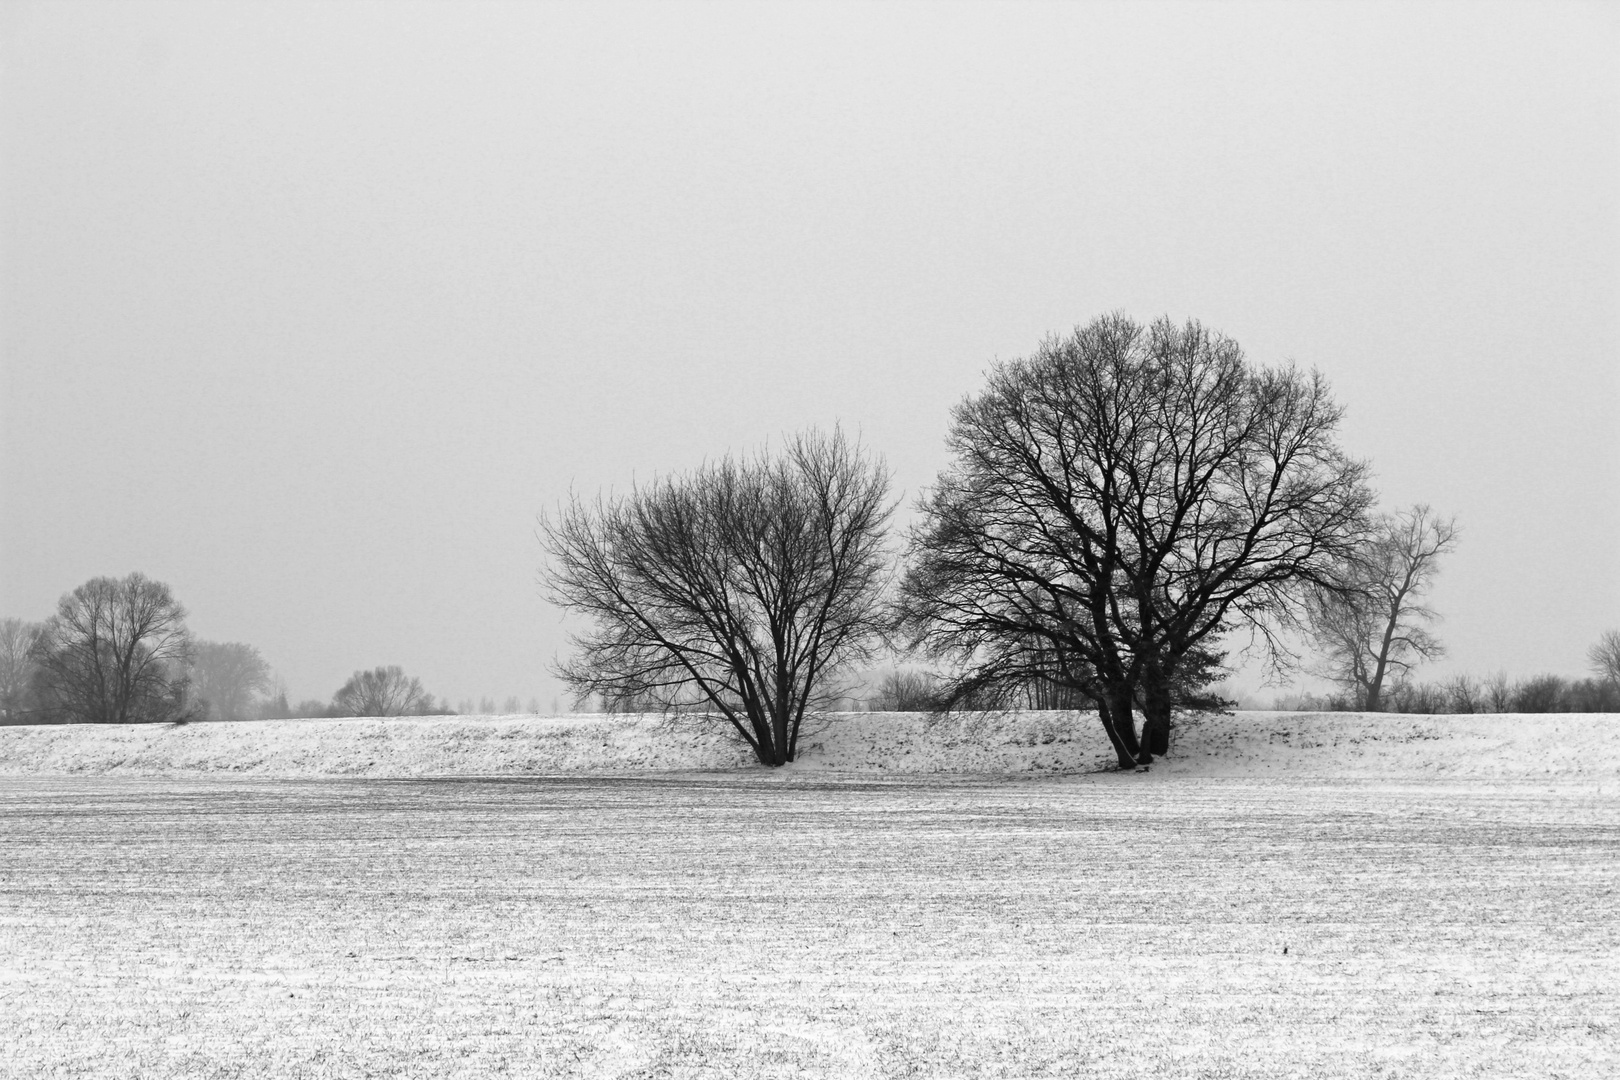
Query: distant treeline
point(118, 651)
point(1466, 694)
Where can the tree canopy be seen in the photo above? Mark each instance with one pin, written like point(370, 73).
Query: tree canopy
point(740, 589)
point(382, 691)
point(115, 652)
point(1117, 502)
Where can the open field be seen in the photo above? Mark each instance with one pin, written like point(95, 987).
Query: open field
point(799, 923)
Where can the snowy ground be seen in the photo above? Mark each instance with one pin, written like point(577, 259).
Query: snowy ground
point(846, 918)
point(1557, 746)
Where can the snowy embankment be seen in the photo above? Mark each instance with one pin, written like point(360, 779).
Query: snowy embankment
point(1248, 744)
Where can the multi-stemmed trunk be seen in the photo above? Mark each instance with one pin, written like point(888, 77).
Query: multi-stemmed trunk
point(1115, 707)
point(774, 720)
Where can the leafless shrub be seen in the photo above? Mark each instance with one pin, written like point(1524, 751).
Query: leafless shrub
point(1539, 694)
point(1405, 697)
point(906, 691)
point(382, 691)
point(1464, 694)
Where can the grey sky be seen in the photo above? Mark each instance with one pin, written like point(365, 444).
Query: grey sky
point(309, 309)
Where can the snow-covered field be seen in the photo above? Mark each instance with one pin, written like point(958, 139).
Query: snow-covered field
point(855, 915)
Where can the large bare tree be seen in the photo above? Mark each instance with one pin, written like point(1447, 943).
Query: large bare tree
point(115, 652)
point(1370, 623)
point(740, 589)
point(1120, 500)
point(1238, 495)
point(226, 679)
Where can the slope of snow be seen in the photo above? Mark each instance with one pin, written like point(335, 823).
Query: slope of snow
point(1253, 744)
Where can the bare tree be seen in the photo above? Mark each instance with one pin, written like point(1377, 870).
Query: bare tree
point(1605, 657)
point(226, 679)
point(382, 691)
point(1369, 624)
point(17, 669)
point(116, 652)
point(1119, 501)
point(743, 587)
point(1240, 495)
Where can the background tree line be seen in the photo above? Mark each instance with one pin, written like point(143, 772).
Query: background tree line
point(1467, 694)
point(117, 651)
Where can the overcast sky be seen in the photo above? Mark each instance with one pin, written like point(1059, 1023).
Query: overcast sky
point(309, 310)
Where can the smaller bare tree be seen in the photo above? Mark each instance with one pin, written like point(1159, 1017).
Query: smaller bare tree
point(1605, 657)
point(742, 588)
point(383, 691)
point(226, 679)
point(17, 669)
point(1370, 625)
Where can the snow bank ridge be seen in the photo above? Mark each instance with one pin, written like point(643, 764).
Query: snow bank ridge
point(1552, 746)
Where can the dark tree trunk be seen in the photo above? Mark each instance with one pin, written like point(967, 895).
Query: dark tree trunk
point(767, 748)
point(1156, 730)
point(779, 735)
point(1156, 714)
point(1115, 710)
